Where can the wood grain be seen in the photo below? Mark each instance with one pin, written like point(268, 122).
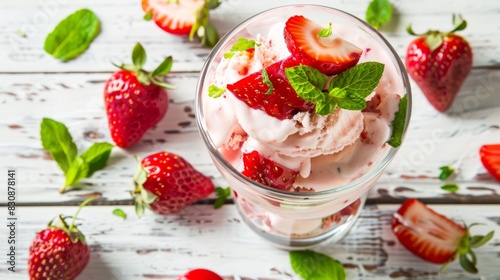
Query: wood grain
point(156, 247)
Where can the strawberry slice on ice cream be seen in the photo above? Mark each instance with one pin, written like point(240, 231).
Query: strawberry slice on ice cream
point(330, 55)
point(434, 237)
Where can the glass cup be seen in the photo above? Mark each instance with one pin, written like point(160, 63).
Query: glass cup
point(296, 219)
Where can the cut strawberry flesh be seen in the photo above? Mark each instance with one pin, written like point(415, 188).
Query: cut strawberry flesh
point(173, 18)
point(330, 55)
point(282, 103)
point(490, 157)
point(426, 233)
point(267, 172)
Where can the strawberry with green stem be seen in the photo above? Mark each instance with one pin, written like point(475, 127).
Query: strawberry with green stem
point(439, 62)
point(135, 100)
point(60, 251)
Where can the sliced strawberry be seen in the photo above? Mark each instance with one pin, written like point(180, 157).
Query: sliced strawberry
point(267, 172)
point(282, 103)
point(490, 157)
point(176, 18)
point(330, 55)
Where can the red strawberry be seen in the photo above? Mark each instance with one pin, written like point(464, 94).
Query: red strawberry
point(439, 63)
point(433, 237)
point(282, 103)
point(135, 100)
point(490, 157)
point(166, 183)
point(267, 172)
point(200, 274)
point(330, 55)
point(59, 251)
point(176, 17)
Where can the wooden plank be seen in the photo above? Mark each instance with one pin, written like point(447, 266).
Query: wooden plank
point(156, 247)
point(123, 26)
point(433, 140)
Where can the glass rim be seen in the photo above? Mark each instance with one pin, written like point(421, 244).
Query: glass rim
point(214, 152)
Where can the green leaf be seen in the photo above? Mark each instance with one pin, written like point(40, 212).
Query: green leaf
point(96, 156)
point(467, 264)
point(215, 91)
point(147, 196)
point(138, 56)
point(446, 171)
point(265, 79)
point(210, 37)
point(163, 68)
point(57, 140)
point(308, 83)
point(212, 4)
point(379, 12)
point(311, 265)
point(351, 103)
point(139, 207)
point(398, 124)
point(140, 176)
point(359, 80)
point(77, 171)
point(326, 32)
point(73, 35)
point(119, 212)
point(143, 78)
point(242, 44)
point(479, 240)
point(222, 195)
point(148, 16)
point(450, 188)
point(434, 40)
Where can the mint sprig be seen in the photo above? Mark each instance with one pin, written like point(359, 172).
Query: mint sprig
point(446, 171)
point(242, 44)
point(58, 141)
point(267, 81)
point(379, 12)
point(347, 90)
point(398, 124)
point(313, 265)
point(215, 91)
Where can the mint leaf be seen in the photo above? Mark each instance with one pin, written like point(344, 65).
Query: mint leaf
point(163, 68)
point(326, 32)
point(57, 140)
point(73, 35)
point(242, 44)
point(138, 56)
point(446, 172)
point(215, 91)
point(222, 195)
point(119, 212)
point(347, 102)
point(359, 80)
point(77, 171)
point(308, 83)
point(398, 124)
point(265, 79)
point(450, 188)
point(378, 13)
point(148, 16)
point(96, 156)
point(311, 265)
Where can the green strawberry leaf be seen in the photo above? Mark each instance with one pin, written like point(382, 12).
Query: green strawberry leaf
point(148, 16)
point(450, 188)
point(467, 264)
point(311, 265)
point(326, 32)
point(479, 240)
point(222, 195)
point(446, 171)
point(57, 140)
point(147, 196)
point(77, 171)
point(73, 35)
point(379, 12)
point(163, 68)
point(96, 156)
point(359, 80)
point(139, 208)
point(242, 44)
point(398, 124)
point(138, 56)
point(212, 4)
point(119, 212)
point(210, 36)
point(215, 91)
point(265, 79)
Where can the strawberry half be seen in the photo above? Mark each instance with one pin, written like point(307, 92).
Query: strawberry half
point(267, 172)
point(175, 17)
point(330, 55)
point(434, 237)
point(490, 157)
point(282, 103)
point(59, 251)
point(166, 183)
point(200, 274)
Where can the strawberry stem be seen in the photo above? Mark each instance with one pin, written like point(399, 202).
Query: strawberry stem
point(72, 226)
point(434, 38)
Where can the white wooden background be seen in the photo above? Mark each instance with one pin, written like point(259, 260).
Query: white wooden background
point(33, 85)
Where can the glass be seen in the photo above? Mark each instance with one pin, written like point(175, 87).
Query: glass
point(296, 219)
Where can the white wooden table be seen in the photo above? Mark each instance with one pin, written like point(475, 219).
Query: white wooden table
point(33, 85)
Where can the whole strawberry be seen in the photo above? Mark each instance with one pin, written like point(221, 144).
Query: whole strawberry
point(135, 100)
point(200, 274)
point(59, 251)
point(166, 183)
point(439, 62)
